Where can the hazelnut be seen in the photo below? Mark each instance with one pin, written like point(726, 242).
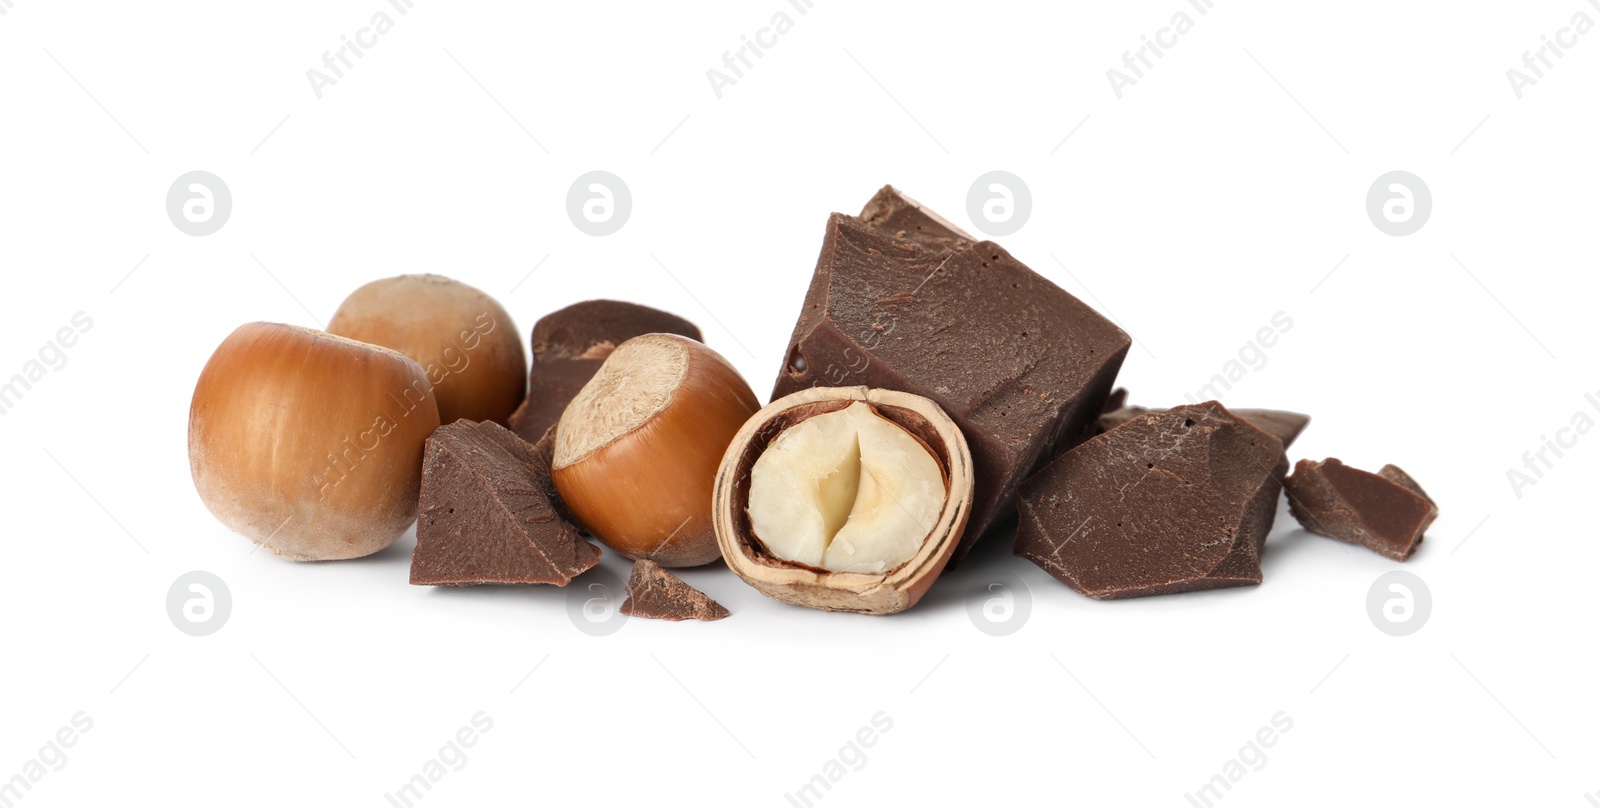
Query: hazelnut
point(463, 339)
point(844, 498)
point(636, 452)
point(308, 442)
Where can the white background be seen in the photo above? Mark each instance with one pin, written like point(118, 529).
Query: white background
point(1192, 210)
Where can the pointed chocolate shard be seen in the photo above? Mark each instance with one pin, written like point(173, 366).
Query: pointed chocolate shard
point(654, 592)
point(1116, 401)
point(1171, 501)
point(1386, 512)
point(488, 513)
point(1020, 365)
point(569, 346)
point(899, 216)
point(1280, 424)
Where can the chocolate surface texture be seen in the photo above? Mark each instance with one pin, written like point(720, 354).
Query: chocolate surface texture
point(1170, 501)
point(903, 300)
point(489, 515)
point(654, 592)
point(1386, 512)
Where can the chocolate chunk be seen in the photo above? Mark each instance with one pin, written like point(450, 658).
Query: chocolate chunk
point(1112, 419)
point(1281, 424)
point(654, 592)
point(902, 217)
point(591, 329)
point(1021, 366)
point(569, 346)
point(1385, 512)
point(551, 387)
point(488, 513)
point(1171, 501)
point(1116, 401)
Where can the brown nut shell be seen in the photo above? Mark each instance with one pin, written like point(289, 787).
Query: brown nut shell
point(888, 592)
point(310, 443)
point(462, 337)
point(636, 452)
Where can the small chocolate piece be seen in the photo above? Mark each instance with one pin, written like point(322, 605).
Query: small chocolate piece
point(654, 592)
point(1385, 512)
point(1111, 419)
point(1171, 501)
point(551, 386)
point(1116, 401)
point(488, 513)
point(1280, 424)
point(593, 328)
point(1022, 366)
point(569, 346)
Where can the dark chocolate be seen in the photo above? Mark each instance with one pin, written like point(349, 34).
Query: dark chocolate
point(1116, 401)
point(1170, 501)
point(1386, 512)
point(654, 592)
point(569, 346)
point(488, 513)
point(1111, 419)
point(1020, 365)
point(1281, 424)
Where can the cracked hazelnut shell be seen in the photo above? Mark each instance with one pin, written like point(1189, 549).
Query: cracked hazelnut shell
point(886, 592)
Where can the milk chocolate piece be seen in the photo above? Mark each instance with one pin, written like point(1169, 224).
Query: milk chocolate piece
point(902, 217)
point(654, 592)
point(569, 346)
point(1385, 512)
point(1170, 501)
point(1021, 366)
point(488, 513)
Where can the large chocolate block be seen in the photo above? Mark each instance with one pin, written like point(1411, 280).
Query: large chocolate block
point(1170, 501)
point(1022, 366)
